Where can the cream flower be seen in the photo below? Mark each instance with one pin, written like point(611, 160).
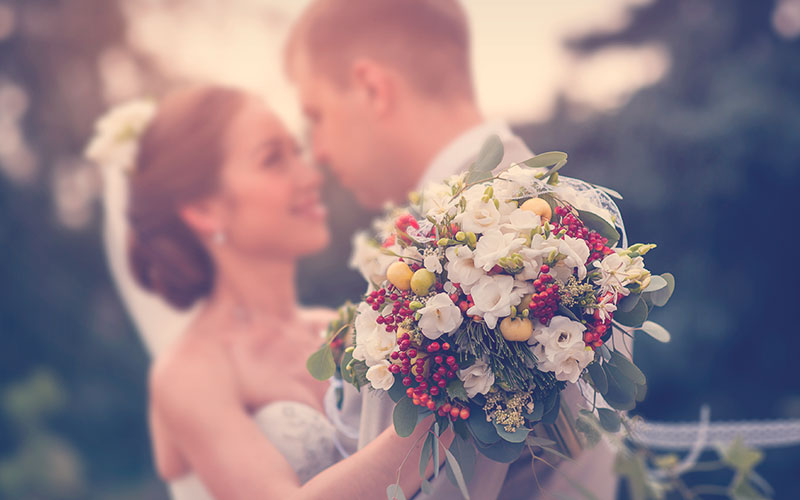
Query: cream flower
point(116, 140)
point(521, 221)
point(373, 342)
point(568, 365)
point(436, 201)
point(432, 263)
point(604, 307)
point(439, 316)
point(573, 256)
point(380, 377)
point(618, 270)
point(461, 267)
point(493, 297)
point(559, 348)
point(478, 378)
point(493, 246)
point(369, 259)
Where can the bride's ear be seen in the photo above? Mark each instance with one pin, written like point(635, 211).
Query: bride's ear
point(202, 217)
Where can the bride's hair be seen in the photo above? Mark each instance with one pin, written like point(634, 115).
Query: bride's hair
point(179, 160)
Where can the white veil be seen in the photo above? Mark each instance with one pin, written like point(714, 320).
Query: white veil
point(113, 149)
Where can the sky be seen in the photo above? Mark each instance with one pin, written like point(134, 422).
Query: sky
point(519, 59)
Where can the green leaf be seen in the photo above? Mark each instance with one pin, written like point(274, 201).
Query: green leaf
point(404, 417)
point(347, 376)
point(465, 454)
point(635, 317)
point(566, 312)
point(628, 303)
point(394, 492)
point(628, 368)
point(461, 429)
point(436, 451)
point(489, 157)
point(656, 283)
point(455, 469)
point(599, 379)
point(320, 364)
point(517, 436)
point(545, 160)
point(425, 456)
point(599, 224)
point(455, 389)
point(740, 456)
point(661, 297)
point(609, 419)
point(621, 393)
point(482, 430)
point(656, 331)
point(604, 352)
point(586, 426)
point(641, 392)
point(397, 390)
point(537, 413)
point(501, 451)
point(551, 414)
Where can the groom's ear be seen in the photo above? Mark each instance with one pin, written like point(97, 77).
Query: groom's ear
point(374, 84)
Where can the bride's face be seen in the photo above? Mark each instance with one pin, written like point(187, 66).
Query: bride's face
point(269, 199)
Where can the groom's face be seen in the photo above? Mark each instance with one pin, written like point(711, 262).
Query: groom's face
point(345, 134)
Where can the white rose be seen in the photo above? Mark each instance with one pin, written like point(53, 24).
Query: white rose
point(493, 297)
point(478, 378)
point(575, 253)
point(559, 348)
point(569, 364)
point(493, 246)
point(461, 267)
point(373, 342)
point(380, 377)
point(521, 221)
point(369, 259)
point(479, 216)
point(561, 334)
point(439, 316)
point(432, 263)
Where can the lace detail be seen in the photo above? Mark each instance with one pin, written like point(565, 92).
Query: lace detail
point(303, 435)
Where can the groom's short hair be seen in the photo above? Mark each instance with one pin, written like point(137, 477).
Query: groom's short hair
point(427, 41)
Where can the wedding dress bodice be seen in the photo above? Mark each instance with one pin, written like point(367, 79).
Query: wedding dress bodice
point(305, 438)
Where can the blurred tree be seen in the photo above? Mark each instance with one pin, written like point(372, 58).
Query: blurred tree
point(708, 162)
point(57, 306)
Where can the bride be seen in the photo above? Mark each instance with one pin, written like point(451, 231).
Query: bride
point(221, 207)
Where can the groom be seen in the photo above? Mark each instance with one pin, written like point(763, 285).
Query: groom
point(386, 86)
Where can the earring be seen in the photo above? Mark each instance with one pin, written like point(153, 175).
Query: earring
point(220, 237)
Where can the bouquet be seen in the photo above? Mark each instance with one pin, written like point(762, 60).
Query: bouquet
point(489, 294)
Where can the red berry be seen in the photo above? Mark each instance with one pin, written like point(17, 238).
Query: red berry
point(445, 346)
point(545, 268)
point(431, 404)
point(464, 414)
point(455, 412)
point(406, 380)
point(434, 391)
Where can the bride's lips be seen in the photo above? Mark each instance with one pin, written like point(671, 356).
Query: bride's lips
point(309, 207)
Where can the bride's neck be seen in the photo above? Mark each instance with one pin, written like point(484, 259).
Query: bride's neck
point(260, 289)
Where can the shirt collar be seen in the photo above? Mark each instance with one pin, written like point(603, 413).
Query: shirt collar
point(455, 156)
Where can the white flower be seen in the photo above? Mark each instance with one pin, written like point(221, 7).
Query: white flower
point(493, 246)
point(373, 342)
point(436, 201)
point(432, 263)
point(369, 259)
point(521, 221)
point(380, 377)
point(575, 253)
point(421, 235)
point(116, 140)
point(461, 267)
point(478, 378)
point(439, 316)
point(493, 297)
point(479, 216)
point(618, 270)
point(559, 348)
point(604, 307)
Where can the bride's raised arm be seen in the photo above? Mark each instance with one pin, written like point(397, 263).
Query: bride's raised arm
point(196, 405)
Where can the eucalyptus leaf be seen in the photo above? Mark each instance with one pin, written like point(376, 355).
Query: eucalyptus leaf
point(464, 452)
point(461, 429)
point(545, 160)
point(609, 419)
point(604, 352)
point(394, 492)
point(566, 312)
point(656, 331)
point(404, 417)
point(599, 379)
point(628, 303)
point(347, 376)
point(621, 393)
point(537, 413)
point(628, 368)
point(656, 283)
point(320, 364)
point(661, 297)
point(489, 157)
point(425, 456)
point(482, 430)
point(517, 436)
point(599, 224)
point(457, 474)
point(397, 390)
point(635, 317)
point(501, 451)
point(641, 393)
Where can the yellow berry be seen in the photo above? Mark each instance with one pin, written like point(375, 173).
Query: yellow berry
point(399, 275)
point(539, 207)
point(422, 281)
point(516, 329)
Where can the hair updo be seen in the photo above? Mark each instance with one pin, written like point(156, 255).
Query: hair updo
point(180, 157)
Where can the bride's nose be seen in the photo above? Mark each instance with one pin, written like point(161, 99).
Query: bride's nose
point(308, 175)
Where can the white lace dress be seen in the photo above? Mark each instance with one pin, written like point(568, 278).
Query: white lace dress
point(305, 438)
